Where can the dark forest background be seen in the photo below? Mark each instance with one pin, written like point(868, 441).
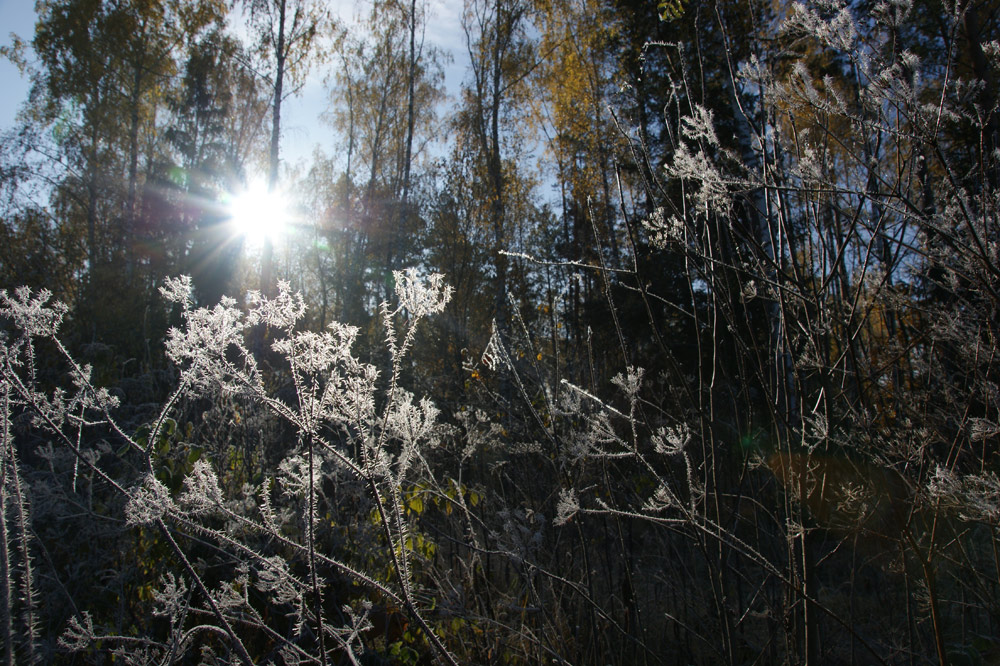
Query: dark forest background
point(727, 397)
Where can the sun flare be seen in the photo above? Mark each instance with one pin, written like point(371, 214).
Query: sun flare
point(259, 214)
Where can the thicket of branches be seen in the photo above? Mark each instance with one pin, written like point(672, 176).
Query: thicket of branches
point(730, 400)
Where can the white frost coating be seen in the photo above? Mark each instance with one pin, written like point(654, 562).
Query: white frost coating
point(712, 196)
point(32, 315)
point(201, 489)
point(671, 441)
point(150, 502)
point(421, 296)
point(282, 311)
point(177, 290)
point(700, 126)
point(630, 382)
point(208, 333)
point(663, 230)
point(567, 507)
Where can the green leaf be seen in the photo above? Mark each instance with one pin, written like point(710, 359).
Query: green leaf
point(142, 435)
point(670, 10)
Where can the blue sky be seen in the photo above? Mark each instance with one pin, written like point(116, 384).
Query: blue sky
point(17, 16)
point(302, 128)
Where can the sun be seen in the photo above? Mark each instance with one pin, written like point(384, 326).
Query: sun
point(259, 214)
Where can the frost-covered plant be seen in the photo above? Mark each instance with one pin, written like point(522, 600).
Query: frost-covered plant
point(340, 420)
point(834, 216)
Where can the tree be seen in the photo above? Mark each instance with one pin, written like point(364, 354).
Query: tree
point(100, 90)
point(217, 129)
point(500, 56)
point(101, 60)
point(375, 224)
point(289, 35)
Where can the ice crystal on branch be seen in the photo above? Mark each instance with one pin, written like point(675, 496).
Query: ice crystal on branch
point(700, 126)
point(207, 335)
point(311, 352)
point(32, 315)
point(410, 422)
point(177, 290)
point(274, 577)
point(567, 507)
point(630, 382)
point(713, 194)
point(282, 311)
point(671, 441)
point(976, 497)
point(201, 489)
point(981, 429)
point(838, 32)
point(421, 296)
point(663, 230)
point(149, 502)
point(80, 632)
point(170, 599)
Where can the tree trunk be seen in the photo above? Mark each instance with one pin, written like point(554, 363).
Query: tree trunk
point(408, 156)
point(267, 258)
